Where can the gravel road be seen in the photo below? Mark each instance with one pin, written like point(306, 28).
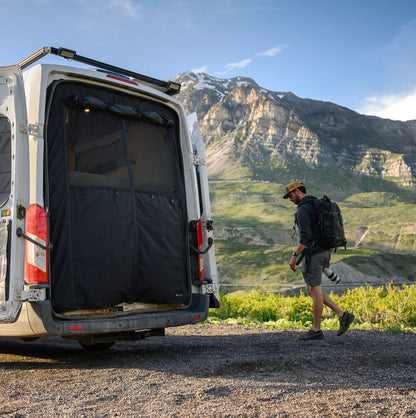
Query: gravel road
point(213, 371)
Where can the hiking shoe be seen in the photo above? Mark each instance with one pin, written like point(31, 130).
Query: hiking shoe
point(344, 323)
point(312, 335)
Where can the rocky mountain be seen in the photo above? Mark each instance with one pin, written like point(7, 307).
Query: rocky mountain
point(257, 140)
point(265, 131)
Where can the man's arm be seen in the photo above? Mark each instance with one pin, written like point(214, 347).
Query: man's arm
point(304, 217)
point(295, 255)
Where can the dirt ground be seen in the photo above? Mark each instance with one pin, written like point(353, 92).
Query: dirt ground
point(213, 371)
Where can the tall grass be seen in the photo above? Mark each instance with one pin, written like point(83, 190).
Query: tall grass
point(388, 309)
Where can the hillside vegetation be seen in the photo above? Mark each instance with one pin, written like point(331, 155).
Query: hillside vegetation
point(382, 308)
point(254, 234)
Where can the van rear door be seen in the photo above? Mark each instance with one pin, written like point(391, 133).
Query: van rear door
point(14, 190)
point(207, 261)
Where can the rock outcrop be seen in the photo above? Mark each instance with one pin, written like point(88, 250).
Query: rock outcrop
point(245, 124)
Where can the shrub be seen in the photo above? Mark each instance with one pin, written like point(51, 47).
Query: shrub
point(383, 308)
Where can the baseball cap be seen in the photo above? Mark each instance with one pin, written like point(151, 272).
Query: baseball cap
point(292, 186)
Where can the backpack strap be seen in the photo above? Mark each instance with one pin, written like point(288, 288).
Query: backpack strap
point(295, 225)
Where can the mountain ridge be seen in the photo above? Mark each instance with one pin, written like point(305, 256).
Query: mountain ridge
point(265, 131)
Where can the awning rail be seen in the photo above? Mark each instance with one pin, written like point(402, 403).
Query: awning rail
point(168, 87)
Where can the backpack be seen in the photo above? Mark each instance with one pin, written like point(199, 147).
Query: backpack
point(331, 225)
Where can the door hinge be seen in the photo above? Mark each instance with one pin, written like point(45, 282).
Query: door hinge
point(31, 129)
point(21, 212)
point(210, 224)
point(31, 295)
point(197, 160)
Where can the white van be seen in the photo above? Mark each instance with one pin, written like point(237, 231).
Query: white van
point(105, 223)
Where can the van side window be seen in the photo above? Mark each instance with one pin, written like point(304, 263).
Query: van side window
point(201, 201)
point(5, 160)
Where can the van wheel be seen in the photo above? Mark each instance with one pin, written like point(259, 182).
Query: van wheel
point(97, 346)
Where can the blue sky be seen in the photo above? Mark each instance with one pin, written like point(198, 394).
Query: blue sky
point(360, 54)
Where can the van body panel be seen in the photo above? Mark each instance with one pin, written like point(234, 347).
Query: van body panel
point(15, 190)
point(37, 320)
point(25, 326)
point(120, 192)
point(70, 328)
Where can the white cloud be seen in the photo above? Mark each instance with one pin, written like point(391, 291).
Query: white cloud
point(125, 8)
point(271, 52)
point(200, 70)
point(232, 65)
point(113, 8)
point(396, 107)
point(244, 63)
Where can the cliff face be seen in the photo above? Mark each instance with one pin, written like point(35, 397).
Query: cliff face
point(247, 125)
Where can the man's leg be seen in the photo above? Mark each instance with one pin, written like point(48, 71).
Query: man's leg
point(332, 305)
point(317, 305)
point(345, 318)
point(312, 274)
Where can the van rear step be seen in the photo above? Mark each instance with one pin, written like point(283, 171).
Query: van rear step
point(124, 307)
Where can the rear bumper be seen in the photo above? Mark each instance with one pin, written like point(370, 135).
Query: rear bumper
point(43, 323)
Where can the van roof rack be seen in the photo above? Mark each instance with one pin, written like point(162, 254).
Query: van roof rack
point(168, 87)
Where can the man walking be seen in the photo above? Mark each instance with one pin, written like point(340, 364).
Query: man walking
point(315, 261)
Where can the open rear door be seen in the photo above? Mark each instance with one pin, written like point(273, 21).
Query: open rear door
point(209, 262)
point(14, 190)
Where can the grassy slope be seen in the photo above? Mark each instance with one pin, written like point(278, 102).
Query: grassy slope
point(253, 230)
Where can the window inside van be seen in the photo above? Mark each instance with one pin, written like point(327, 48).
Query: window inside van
point(5, 160)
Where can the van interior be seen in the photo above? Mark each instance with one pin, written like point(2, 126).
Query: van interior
point(116, 198)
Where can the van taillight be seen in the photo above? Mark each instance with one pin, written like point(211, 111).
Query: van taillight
point(37, 259)
point(200, 240)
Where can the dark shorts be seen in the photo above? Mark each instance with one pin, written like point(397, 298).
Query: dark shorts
point(312, 267)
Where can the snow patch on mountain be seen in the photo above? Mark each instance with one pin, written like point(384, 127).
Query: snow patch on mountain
point(222, 87)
